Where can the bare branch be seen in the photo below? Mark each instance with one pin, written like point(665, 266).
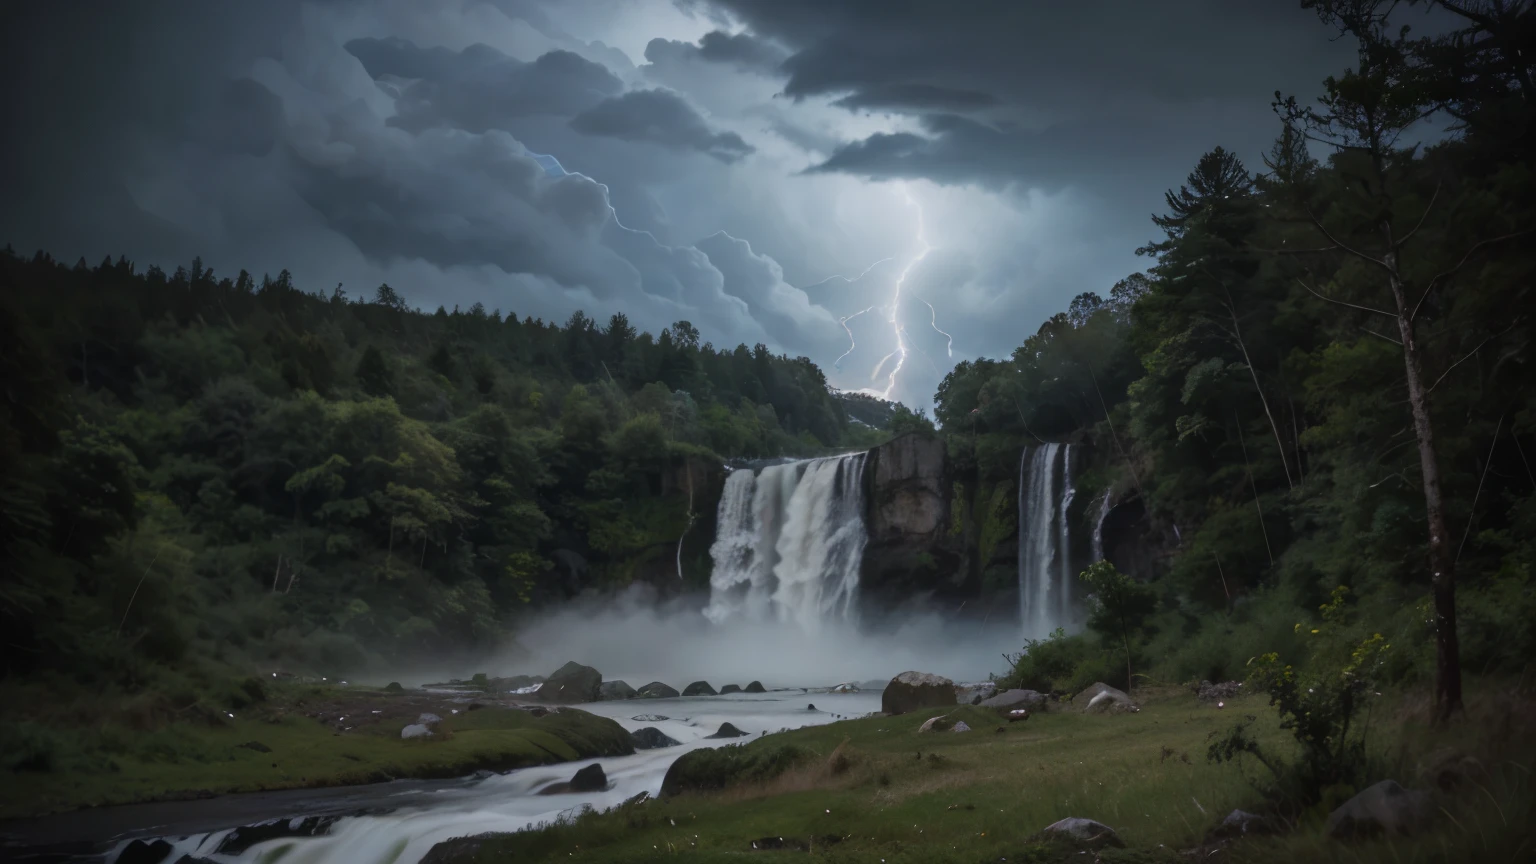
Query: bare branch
point(1382, 336)
point(1464, 358)
point(1318, 224)
point(1309, 288)
point(1476, 247)
point(1428, 208)
point(1292, 251)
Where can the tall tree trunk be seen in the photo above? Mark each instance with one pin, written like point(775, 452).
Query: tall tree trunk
point(1441, 567)
point(1237, 335)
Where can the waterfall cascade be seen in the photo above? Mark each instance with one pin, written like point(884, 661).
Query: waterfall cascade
point(789, 542)
point(1098, 528)
point(1046, 572)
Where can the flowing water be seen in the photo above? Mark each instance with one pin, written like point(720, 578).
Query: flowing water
point(1046, 572)
point(421, 815)
point(789, 542)
point(1098, 528)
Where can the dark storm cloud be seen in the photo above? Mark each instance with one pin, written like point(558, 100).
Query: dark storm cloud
point(1044, 92)
point(740, 50)
point(481, 88)
point(661, 117)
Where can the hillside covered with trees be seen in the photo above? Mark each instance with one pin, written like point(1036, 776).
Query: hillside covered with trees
point(1320, 390)
point(206, 473)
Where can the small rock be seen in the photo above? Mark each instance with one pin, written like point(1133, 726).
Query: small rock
point(727, 731)
point(755, 687)
point(960, 727)
point(257, 746)
point(1100, 698)
point(810, 707)
point(1010, 699)
point(699, 688)
point(144, 852)
point(651, 738)
point(1385, 808)
point(1208, 692)
point(1085, 833)
point(730, 688)
point(1018, 714)
point(940, 723)
point(416, 730)
point(911, 691)
point(1240, 822)
point(429, 719)
point(656, 690)
point(588, 779)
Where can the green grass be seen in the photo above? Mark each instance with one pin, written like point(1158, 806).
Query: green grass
point(891, 794)
point(112, 765)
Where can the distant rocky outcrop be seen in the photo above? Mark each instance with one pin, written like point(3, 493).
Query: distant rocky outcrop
point(614, 690)
point(572, 684)
point(730, 688)
point(699, 688)
point(655, 690)
point(907, 495)
point(755, 687)
point(910, 691)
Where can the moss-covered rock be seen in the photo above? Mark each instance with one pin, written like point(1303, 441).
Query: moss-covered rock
point(712, 769)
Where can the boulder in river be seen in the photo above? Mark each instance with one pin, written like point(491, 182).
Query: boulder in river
point(910, 691)
point(416, 730)
point(612, 691)
point(730, 688)
point(1083, 833)
point(246, 836)
point(1385, 808)
point(144, 852)
point(1100, 698)
point(755, 687)
point(588, 779)
point(651, 738)
point(699, 688)
point(656, 690)
point(571, 684)
point(727, 731)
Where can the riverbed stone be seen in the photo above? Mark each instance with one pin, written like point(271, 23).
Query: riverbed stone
point(650, 738)
point(699, 688)
point(910, 691)
point(246, 836)
point(656, 690)
point(144, 852)
point(589, 779)
point(571, 684)
point(727, 731)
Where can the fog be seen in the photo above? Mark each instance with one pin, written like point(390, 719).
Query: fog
point(631, 636)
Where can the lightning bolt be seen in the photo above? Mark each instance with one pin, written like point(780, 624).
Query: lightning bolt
point(846, 279)
point(933, 320)
point(844, 321)
point(895, 307)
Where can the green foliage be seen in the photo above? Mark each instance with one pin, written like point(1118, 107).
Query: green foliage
point(1118, 607)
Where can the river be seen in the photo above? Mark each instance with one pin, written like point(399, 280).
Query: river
point(406, 819)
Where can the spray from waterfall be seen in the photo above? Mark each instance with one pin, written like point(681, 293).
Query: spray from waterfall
point(789, 543)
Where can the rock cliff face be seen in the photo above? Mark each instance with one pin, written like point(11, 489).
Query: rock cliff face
point(906, 495)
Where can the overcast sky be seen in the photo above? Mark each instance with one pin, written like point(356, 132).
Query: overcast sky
point(953, 170)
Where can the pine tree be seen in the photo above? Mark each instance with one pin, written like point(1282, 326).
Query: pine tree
point(374, 374)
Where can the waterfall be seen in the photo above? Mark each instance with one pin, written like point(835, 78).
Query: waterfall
point(789, 542)
point(1045, 547)
point(1098, 527)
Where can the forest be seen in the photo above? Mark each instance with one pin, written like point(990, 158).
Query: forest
point(1319, 388)
point(206, 474)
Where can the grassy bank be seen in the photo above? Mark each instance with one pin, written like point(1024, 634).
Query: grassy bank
point(878, 790)
point(301, 736)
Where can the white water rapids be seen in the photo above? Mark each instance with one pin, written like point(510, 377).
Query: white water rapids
point(507, 802)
